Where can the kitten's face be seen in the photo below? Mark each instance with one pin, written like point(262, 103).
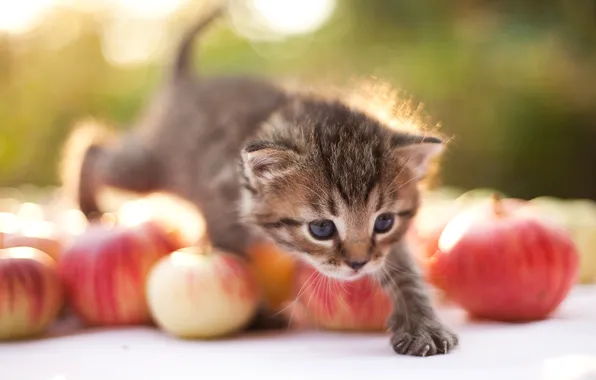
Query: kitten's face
point(340, 198)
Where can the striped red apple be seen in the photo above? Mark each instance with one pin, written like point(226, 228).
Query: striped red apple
point(503, 260)
point(332, 304)
point(31, 294)
point(104, 271)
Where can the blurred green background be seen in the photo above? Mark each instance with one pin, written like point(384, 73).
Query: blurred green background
point(513, 81)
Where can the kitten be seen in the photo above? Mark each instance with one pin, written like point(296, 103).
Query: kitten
point(324, 181)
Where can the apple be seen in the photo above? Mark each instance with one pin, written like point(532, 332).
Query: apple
point(46, 238)
point(578, 217)
point(31, 294)
point(478, 195)
point(274, 270)
point(28, 229)
point(581, 225)
point(428, 224)
point(180, 218)
point(198, 293)
point(436, 210)
point(502, 260)
point(333, 304)
point(105, 268)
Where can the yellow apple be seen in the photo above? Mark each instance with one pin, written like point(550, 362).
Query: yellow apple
point(198, 293)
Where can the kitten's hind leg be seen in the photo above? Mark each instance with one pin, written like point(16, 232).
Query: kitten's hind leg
point(92, 160)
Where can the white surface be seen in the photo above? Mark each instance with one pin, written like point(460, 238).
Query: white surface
point(562, 348)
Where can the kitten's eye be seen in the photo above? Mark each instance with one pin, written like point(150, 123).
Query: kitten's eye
point(321, 229)
point(384, 222)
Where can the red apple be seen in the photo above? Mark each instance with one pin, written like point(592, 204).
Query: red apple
point(332, 304)
point(501, 260)
point(105, 269)
point(179, 217)
point(50, 244)
point(429, 224)
point(30, 232)
point(198, 293)
point(436, 212)
point(30, 292)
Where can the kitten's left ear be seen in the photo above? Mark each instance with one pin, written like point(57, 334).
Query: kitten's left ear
point(419, 153)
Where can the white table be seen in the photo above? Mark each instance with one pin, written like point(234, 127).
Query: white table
point(562, 348)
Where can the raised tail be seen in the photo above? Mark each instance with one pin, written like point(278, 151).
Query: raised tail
point(183, 61)
point(77, 168)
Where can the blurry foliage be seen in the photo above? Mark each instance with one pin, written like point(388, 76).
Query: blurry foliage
point(513, 81)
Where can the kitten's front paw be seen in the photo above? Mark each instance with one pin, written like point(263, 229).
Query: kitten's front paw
point(424, 340)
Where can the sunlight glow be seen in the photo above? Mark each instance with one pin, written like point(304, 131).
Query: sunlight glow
point(20, 16)
point(185, 257)
point(9, 223)
point(73, 221)
point(148, 8)
point(456, 228)
point(132, 41)
point(30, 212)
point(21, 252)
point(295, 16)
point(273, 20)
point(135, 212)
point(172, 212)
point(38, 229)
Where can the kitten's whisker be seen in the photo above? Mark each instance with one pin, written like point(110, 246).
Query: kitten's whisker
point(371, 293)
point(344, 288)
point(395, 269)
point(410, 180)
point(301, 292)
point(327, 295)
point(340, 295)
point(399, 173)
point(317, 284)
point(298, 298)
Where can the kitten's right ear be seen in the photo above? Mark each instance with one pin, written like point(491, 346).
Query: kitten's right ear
point(263, 161)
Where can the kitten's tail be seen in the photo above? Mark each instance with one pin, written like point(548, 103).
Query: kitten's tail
point(77, 167)
point(183, 62)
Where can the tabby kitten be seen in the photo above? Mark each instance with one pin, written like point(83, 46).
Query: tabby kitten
point(326, 182)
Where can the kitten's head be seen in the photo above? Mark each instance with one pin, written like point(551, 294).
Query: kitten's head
point(334, 186)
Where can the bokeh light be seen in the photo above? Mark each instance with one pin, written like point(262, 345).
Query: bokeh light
point(294, 16)
point(20, 16)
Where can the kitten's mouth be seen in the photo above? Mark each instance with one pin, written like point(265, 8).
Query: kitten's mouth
point(343, 275)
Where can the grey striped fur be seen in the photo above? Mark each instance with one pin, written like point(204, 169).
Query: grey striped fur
point(261, 162)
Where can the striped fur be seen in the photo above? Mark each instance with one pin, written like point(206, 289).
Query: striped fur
point(261, 162)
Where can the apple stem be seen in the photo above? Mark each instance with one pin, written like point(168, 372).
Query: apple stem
point(497, 204)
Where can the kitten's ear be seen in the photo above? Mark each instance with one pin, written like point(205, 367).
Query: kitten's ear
point(419, 153)
point(264, 161)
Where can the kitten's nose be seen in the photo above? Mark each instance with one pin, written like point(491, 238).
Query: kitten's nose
point(356, 264)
